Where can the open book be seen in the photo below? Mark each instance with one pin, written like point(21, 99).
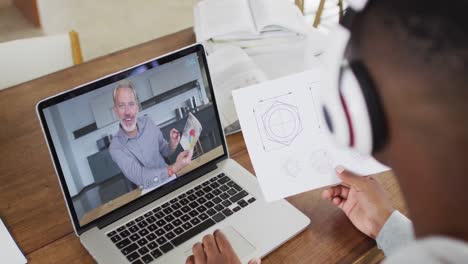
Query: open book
point(246, 19)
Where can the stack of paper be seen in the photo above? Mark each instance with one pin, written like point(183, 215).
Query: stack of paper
point(248, 22)
point(230, 69)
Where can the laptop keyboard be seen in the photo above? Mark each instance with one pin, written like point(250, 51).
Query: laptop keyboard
point(158, 231)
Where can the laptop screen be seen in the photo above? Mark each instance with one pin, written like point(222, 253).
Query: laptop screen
point(133, 133)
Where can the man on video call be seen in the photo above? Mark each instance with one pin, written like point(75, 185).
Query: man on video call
point(416, 52)
point(139, 147)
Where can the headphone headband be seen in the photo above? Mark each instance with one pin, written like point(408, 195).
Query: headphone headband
point(350, 103)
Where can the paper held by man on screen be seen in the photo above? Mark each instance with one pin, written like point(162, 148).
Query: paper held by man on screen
point(191, 132)
point(287, 140)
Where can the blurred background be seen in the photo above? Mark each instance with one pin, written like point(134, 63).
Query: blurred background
point(104, 26)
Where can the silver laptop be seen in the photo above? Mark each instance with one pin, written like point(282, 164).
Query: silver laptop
point(145, 171)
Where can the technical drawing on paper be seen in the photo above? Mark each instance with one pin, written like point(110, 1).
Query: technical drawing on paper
point(293, 167)
point(295, 170)
point(278, 121)
point(321, 161)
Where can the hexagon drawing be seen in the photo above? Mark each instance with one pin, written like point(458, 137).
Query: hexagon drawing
point(278, 121)
point(282, 123)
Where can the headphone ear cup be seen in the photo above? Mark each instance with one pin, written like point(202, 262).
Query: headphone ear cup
point(333, 112)
point(354, 107)
point(374, 109)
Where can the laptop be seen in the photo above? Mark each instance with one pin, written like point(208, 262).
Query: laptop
point(140, 197)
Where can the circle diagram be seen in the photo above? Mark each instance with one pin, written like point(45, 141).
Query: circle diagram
point(281, 123)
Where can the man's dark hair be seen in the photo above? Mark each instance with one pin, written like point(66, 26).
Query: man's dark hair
point(430, 36)
point(435, 31)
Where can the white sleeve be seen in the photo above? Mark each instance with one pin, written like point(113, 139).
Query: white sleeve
point(396, 232)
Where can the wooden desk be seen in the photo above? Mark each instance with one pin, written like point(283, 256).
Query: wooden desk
point(31, 202)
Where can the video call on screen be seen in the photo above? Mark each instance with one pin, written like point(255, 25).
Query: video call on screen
point(83, 128)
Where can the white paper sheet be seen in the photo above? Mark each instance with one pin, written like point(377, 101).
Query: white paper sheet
point(287, 141)
point(9, 251)
point(191, 133)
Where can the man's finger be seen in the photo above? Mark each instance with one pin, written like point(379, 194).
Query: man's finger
point(210, 246)
point(175, 133)
point(198, 253)
point(223, 244)
point(327, 194)
point(337, 201)
point(348, 177)
point(190, 260)
point(335, 191)
point(255, 261)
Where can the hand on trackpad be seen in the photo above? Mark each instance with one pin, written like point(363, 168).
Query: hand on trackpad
point(241, 246)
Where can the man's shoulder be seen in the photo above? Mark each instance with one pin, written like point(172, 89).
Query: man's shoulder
point(434, 249)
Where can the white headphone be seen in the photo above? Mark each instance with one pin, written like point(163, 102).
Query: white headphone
point(350, 103)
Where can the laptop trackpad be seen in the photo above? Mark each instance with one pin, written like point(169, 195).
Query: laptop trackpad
point(241, 246)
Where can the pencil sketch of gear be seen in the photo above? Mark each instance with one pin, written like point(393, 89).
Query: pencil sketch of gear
point(293, 167)
point(282, 123)
point(321, 161)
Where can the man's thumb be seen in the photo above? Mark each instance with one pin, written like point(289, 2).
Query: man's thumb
point(348, 177)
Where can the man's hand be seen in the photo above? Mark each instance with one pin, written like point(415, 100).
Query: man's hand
point(362, 199)
point(174, 139)
point(183, 159)
point(215, 249)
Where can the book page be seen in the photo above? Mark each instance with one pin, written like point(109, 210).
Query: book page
point(215, 18)
point(273, 15)
point(287, 140)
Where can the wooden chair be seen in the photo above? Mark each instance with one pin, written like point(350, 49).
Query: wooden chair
point(320, 8)
point(318, 14)
point(26, 59)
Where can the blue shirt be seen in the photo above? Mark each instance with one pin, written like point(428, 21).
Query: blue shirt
point(141, 158)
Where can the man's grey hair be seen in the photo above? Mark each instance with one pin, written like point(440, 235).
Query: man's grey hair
point(125, 84)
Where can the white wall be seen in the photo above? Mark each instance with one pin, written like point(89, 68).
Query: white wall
point(107, 26)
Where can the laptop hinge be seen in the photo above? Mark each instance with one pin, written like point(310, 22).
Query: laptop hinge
point(156, 194)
